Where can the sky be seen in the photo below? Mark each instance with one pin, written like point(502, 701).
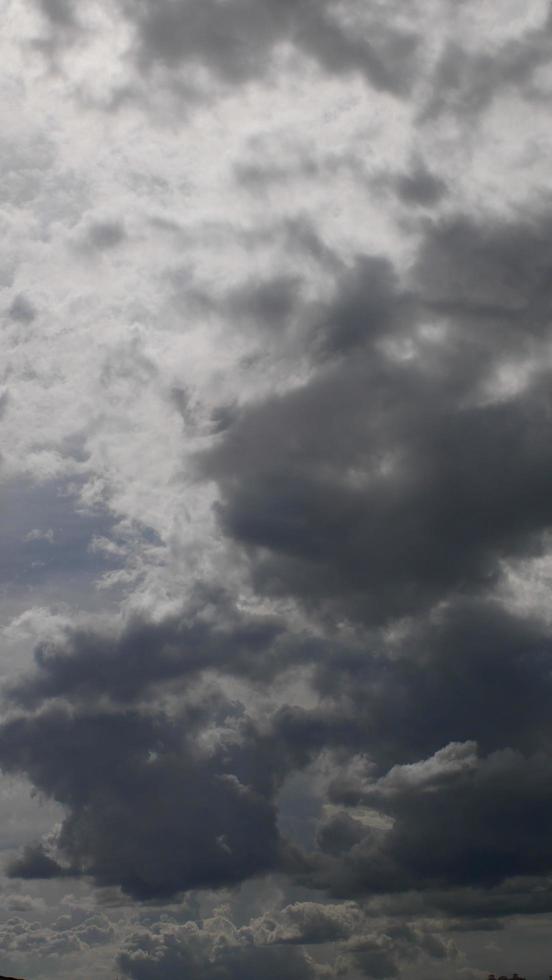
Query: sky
point(276, 489)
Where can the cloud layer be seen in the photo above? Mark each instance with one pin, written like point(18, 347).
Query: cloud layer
point(276, 464)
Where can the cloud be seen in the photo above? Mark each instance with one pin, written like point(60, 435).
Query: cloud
point(407, 703)
point(171, 951)
point(214, 948)
point(467, 80)
point(36, 534)
point(59, 12)
point(455, 820)
point(276, 480)
point(497, 273)
point(387, 485)
point(420, 187)
point(126, 663)
point(22, 310)
point(76, 935)
point(308, 923)
point(35, 863)
point(199, 817)
point(237, 41)
point(402, 482)
point(104, 235)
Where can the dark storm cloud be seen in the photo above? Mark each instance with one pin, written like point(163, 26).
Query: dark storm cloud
point(125, 665)
point(148, 809)
point(473, 671)
point(459, 820)
point(381, 955)
point(368, 303)
point(387, 482)
point(373, 490)
point(524, 895)
point(236, 40)
point(393, 483)
point(35, 863)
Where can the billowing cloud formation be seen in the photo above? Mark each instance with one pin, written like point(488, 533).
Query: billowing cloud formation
point(194, 823)
point(202, 954)
point(387, 498)
point(277, 471)
point(217, 949)
point(445, 831)
point(395, 479)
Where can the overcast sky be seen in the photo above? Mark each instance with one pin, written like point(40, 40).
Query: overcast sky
point(276, 489)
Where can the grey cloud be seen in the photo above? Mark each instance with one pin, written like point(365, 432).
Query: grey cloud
point(339, 833)
point(268, 304)
point(22, 310)
point(239, 41)
point(193, 822)
point(383, 954)
point(215, 947)
point(172, 952)
point(380, 503)
point(59, 12)
point(4, 403)
point(415, 186)
point(35, 863)
point(523, 895)
point(102, 236)
point(374, 962)
point(440, 684)
point(385, 488)
point(467, 908)
point(466, 82)
point(365, 712)
point(386, 483)
point(236, 41)
point(126, 664)
point(497, 273)
point(454, 826)
point(62, 27)
point(476, 925)
point(420, 187)
point(368, 303)
point(23, 939)
point(308, 923)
